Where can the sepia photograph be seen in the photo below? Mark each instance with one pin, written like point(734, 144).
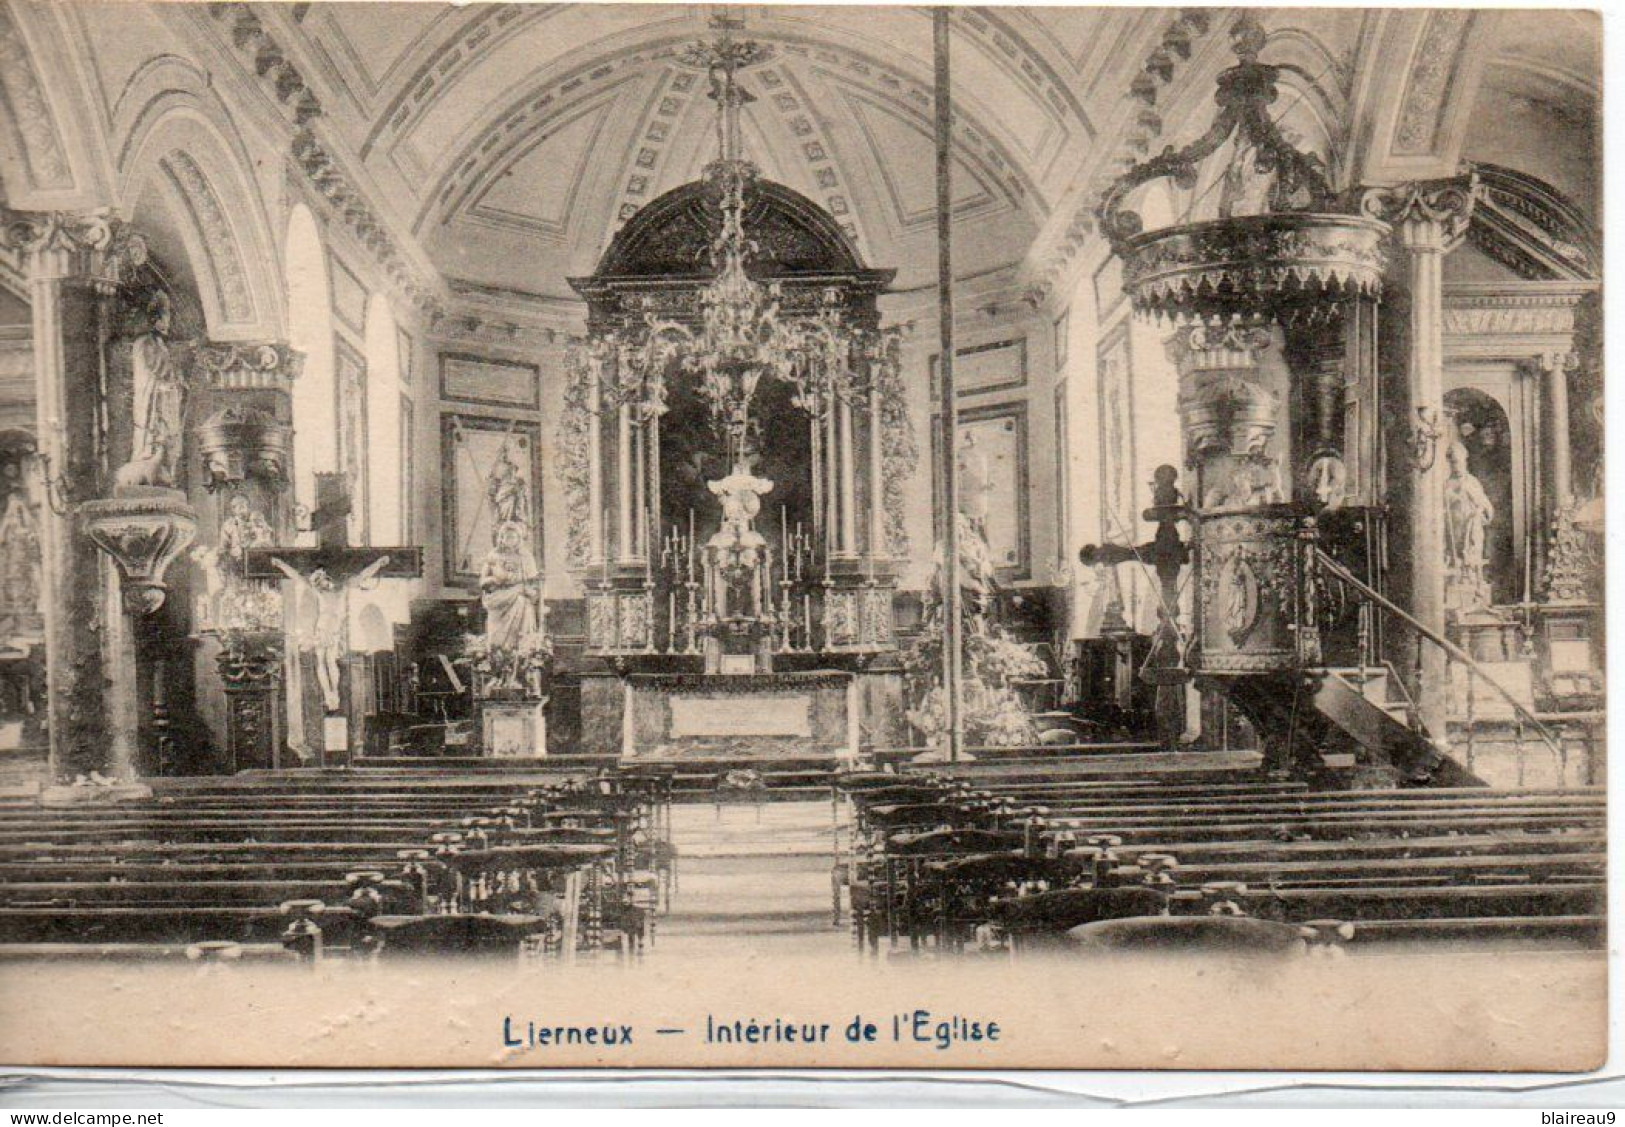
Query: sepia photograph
point(598, 535)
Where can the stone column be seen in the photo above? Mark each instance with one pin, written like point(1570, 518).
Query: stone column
point(877, 477)
point(625, 549)
point(1554, 374)
point(1429, 219)
point(595, 467)
point(849, 506)
point(73, 262)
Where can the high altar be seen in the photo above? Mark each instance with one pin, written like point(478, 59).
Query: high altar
point(731, 421)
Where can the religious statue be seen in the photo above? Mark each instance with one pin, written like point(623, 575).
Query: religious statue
point(1255, 481)
point(231, 601)
point(20, 578)
point(159, 404)
point(1467, 513)
point(978, 575)
point(508, 493)
point(1328, 480)
point(975, 481)
point(511, 593)
point(244, 528)
point(329, 636)
point(737, 551)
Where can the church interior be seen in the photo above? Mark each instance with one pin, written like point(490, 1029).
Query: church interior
point(574, 480)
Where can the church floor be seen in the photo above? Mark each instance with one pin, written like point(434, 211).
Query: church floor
point(755, 878)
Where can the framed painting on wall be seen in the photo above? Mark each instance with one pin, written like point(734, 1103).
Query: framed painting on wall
point(491, 475)
point(1118, 522)
point(991, 451)
point(488, 382)
point(983, 368)
point(350, 406)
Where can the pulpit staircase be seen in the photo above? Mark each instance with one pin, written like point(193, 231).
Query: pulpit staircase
point(1368, 704)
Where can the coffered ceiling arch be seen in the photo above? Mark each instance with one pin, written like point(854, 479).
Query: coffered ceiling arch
point(548, 125)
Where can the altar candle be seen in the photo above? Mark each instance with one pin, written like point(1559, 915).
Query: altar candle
point(691, 545)
point(806, 617)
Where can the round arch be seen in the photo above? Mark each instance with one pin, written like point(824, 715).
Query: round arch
point(176, 145)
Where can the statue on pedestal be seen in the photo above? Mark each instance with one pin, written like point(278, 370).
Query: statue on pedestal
point(159, 404)
point(514, 644)
point(1467, 513)
point(20, 578)
point(737, 552)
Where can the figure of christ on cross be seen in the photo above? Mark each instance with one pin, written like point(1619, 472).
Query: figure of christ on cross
point(329, 572)
point(331, 634)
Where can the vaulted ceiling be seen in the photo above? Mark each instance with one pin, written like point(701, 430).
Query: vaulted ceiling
point(509, 142)
point(514, 140)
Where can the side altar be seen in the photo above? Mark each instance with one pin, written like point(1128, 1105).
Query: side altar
point(735, 435)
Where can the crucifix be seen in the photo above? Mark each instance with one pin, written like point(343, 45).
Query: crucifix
point(329, 572)
point(1166, 553)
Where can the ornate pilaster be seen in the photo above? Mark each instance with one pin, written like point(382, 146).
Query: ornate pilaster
point(1429, 219)
point(74, 260)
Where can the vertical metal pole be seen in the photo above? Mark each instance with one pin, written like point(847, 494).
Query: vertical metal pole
point(948, 501)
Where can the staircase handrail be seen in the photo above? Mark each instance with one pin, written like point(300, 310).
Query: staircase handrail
point(1344, 575)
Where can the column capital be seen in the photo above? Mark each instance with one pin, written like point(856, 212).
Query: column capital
point(97, 243)
point(1555, 362)
point(247, 365)
point(1427, 215)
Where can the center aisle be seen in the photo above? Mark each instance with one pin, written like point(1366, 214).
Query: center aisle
point(753, 881)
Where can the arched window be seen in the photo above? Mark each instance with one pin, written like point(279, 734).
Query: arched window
point(310, 330)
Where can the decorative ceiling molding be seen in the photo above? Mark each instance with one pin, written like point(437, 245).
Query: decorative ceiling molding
point(255, 43)
point(488, 27)
point(1142, 125)
point(340, 198)
point(1434, 70)
point(1532, 229)
point(802, 120)
point(657, 128)
point(593, 114)
point(860, 104)
point(533, 111)
point(234, 296)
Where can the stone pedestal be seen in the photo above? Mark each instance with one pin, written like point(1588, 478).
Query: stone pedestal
point(513, 729)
